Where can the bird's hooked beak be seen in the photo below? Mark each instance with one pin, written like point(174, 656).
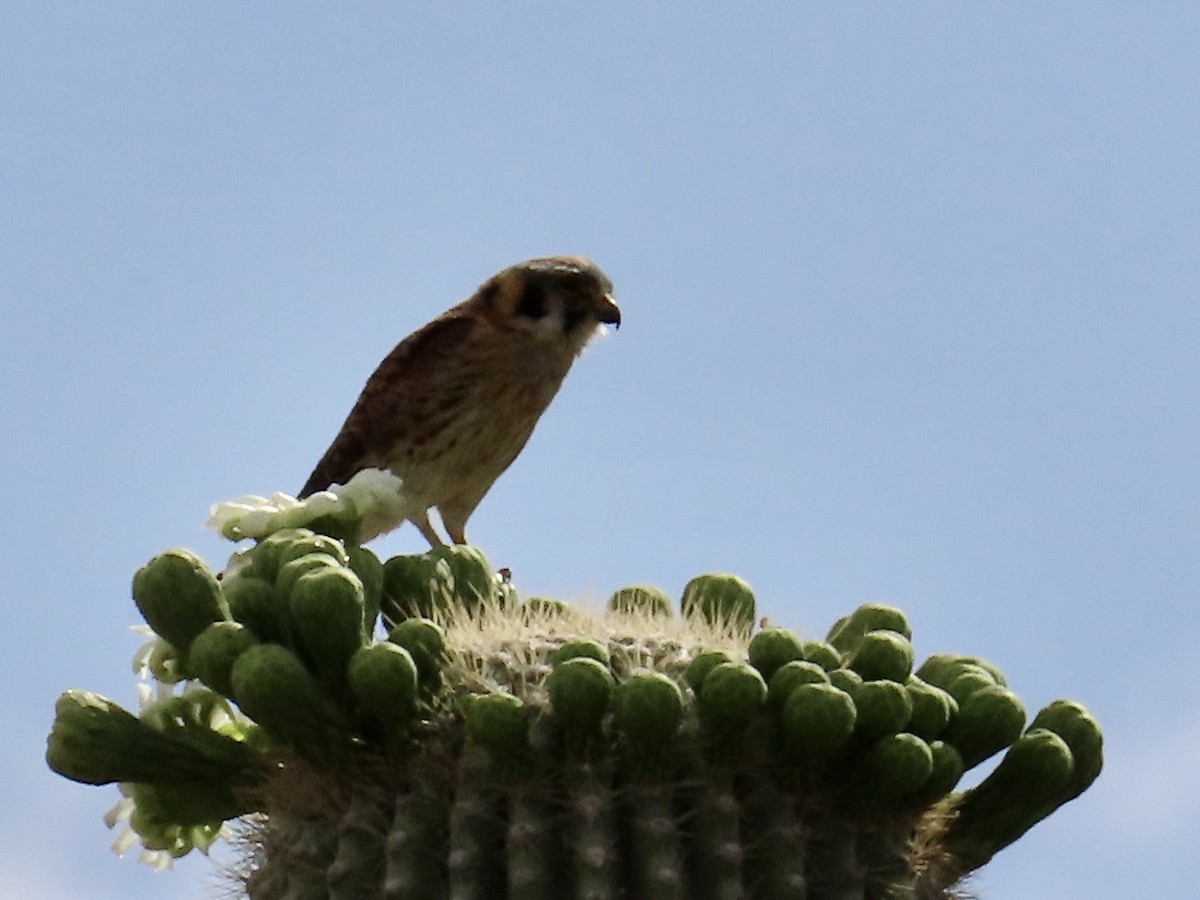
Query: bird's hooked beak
point(608, 312)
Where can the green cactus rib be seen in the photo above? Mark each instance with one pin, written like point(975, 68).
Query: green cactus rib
point(487, 747)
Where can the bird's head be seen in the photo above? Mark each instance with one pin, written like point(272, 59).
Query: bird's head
point(556, 298)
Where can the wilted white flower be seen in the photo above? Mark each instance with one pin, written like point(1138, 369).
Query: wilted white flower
point(371, 494)
point(156, 659)
point(127, 838)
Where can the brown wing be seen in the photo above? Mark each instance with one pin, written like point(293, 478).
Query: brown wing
point(390, 401)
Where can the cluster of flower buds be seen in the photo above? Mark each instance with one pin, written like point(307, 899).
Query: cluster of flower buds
point(414, 729)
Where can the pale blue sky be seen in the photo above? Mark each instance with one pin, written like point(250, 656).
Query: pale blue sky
point(911, 314)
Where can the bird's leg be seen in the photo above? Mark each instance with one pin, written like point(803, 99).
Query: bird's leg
point(454, 515)
point(423, 526)
point(455, 525)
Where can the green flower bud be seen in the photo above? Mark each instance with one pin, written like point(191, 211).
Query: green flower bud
point(824, 655)
point(988, 720)
point(648, 709)
point(933, 708)
point(641, 599)
point(366, 565)
point(303, 545)
point(293, 570)
point(415, 587)
point(1070, 721)
point(947, 770)
point(730, 696)
point(721, 600)
point(882, 656)
point(95, 741)
point(265, 555)
point(327, 619)
point(702, 664)
point(968, 681)
point(497, 722)
point(580, 690)
point(847, 632)
point(894, 766)
point(260, 606)
point(588, 648)
point(846, 680)
point(216, 649)
point(991, 668)
point(772, 648)
point(816, 720)
point(273, 688)
point(383, 680)
point(1040, 761)
point(884, 708)
point(545, 608)
point(789, 677)
point(426, 644)
point(178, 597)
point(942, 669)
point(472, 575)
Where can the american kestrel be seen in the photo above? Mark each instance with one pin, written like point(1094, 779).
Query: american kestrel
point(452, 405)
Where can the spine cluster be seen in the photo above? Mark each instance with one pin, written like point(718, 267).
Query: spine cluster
point(491, 746)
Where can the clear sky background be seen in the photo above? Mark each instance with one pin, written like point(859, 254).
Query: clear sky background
point(911, 314)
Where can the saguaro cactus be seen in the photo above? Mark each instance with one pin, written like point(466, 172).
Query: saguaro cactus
point(487, 747)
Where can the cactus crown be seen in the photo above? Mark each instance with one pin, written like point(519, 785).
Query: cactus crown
point(486, 746)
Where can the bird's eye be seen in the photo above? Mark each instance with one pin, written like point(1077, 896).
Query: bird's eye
point(534, 303)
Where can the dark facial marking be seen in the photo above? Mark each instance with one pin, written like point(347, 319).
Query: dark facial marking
point(534, 302)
